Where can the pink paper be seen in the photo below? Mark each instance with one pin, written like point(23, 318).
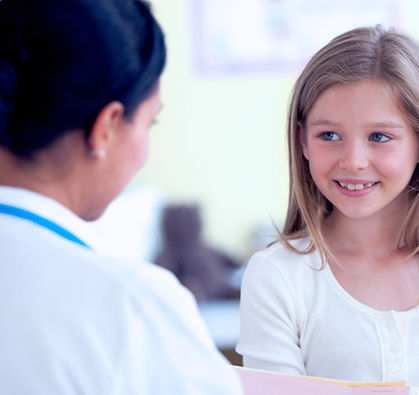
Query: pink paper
point(257, 382)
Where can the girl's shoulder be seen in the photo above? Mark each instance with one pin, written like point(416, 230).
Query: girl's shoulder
point(279, 260)
point(293, 255)
point(277, 276)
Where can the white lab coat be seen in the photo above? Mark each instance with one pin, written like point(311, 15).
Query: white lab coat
point(76, 322)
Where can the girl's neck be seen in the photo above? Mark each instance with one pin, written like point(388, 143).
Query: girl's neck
point(377, 234)
point(367, 261)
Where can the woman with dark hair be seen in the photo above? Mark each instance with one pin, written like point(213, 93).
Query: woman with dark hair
point(79, 89)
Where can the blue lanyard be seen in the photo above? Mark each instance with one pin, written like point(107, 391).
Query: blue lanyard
point(41, 221)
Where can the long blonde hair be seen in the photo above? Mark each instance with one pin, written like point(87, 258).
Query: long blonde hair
point(359, 54)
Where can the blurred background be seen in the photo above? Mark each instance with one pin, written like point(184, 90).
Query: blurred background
point(219, 142)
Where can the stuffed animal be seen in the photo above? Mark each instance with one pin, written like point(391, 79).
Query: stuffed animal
point(203, 270)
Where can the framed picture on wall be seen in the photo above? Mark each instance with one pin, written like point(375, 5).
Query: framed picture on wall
point(281, 35)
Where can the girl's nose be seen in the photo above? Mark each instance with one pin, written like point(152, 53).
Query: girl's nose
point(354, 157)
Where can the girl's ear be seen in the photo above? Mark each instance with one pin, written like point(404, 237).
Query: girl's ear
point(302, 139)
point(104, 128)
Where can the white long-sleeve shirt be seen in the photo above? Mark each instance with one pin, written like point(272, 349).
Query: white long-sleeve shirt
point(298, 320)
point(75, 322)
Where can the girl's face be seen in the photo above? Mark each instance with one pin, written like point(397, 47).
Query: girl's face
point(361, 151)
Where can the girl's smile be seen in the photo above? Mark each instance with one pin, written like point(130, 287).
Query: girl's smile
point(361, 150)
point(356, 187)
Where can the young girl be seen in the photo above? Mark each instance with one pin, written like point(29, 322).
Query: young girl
point(337, 296)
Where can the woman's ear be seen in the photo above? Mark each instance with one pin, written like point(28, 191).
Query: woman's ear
point(302, 138)
point(104, 128)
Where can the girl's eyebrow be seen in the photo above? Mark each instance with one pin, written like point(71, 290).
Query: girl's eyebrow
point(387, 125)
point(384, 124)
point(322, 122)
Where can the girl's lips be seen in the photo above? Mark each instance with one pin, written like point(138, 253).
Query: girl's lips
point(356, 187)
point(354, 181)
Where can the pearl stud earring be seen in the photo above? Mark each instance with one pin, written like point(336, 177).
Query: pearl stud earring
point(101, 153)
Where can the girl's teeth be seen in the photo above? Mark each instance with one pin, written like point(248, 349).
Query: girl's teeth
point(355, 187)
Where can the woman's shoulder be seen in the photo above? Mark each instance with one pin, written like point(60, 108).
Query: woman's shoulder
point(141, 280)
point(130, 283)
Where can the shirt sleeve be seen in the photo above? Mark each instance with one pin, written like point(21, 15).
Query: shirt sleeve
point(269, 315)
point(169, 349)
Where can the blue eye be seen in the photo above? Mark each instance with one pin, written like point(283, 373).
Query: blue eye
point(329, 136)
point(379, 137)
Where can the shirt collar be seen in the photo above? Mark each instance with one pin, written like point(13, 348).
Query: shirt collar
point(52, 210)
